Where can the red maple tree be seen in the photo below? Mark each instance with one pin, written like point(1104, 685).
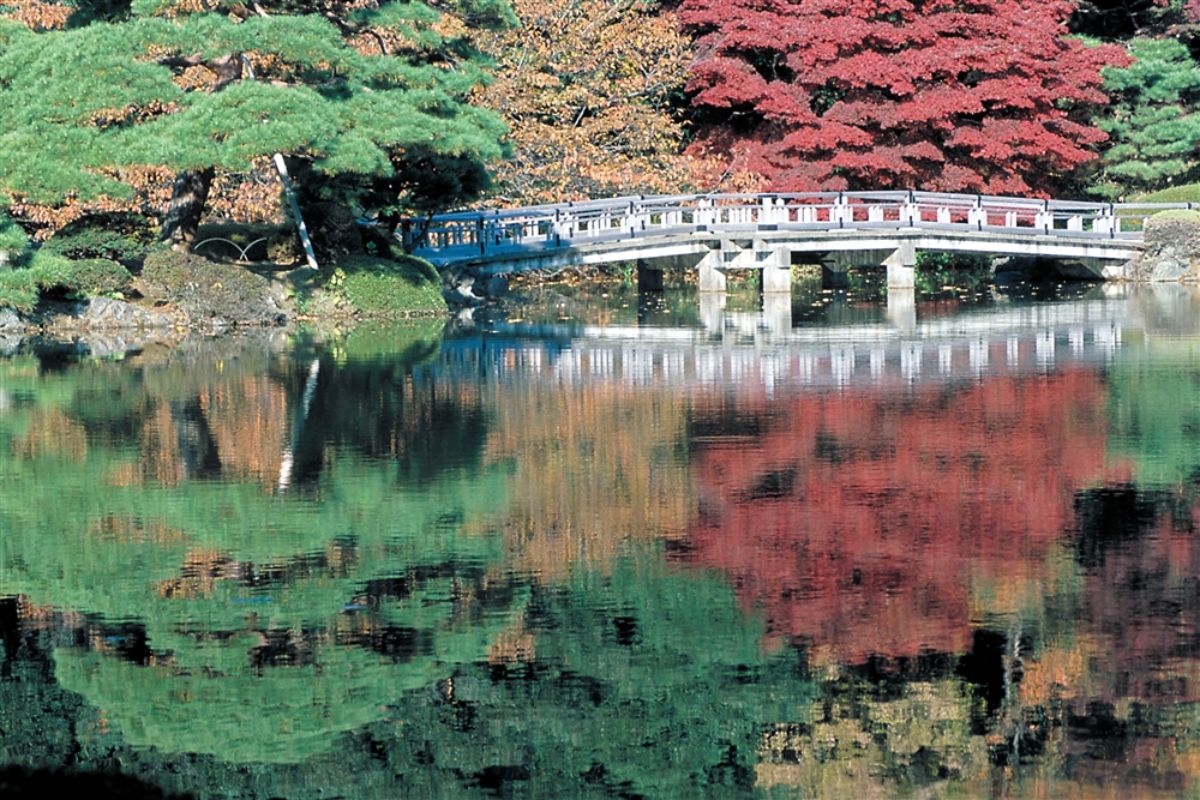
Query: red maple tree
point(941, 95)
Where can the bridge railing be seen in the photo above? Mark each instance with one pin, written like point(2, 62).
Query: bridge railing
point(478, 233)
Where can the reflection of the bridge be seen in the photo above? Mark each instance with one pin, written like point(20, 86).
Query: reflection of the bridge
point(1003, 339)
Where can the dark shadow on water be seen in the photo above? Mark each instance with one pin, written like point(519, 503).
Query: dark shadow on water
point(17, 783)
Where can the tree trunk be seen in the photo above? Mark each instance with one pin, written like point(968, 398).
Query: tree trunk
point(188, 198)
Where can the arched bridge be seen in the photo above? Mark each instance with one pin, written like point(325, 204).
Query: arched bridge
point(716, 233)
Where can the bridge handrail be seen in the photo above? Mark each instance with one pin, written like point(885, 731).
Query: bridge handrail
point(627, 217)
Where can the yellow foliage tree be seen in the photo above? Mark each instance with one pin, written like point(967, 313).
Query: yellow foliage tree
point(586, 87)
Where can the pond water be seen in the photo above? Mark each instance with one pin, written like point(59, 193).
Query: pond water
point(591, 546)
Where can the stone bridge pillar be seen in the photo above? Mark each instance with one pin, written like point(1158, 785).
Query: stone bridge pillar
point(902, 308)
point(776, 265)
point(712, 279)
point(902, 267)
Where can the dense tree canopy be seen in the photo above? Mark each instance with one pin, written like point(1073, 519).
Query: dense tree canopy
point(987, 95)
point(368, 101)
point(588, 90)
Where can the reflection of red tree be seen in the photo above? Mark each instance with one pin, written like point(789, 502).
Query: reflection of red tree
point(858, 520)
point(1143, 613)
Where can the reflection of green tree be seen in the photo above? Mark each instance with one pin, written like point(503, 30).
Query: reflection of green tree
point(214, 575)
point(1154, 404)
point(647, 683)
point(278, 714)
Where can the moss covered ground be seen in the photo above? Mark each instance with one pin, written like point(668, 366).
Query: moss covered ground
point(371, 287)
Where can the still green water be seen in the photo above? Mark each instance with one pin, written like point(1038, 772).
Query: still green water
point(592, 547)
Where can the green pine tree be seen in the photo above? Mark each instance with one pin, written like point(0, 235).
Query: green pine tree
point(368, 103)
point(1154, 122)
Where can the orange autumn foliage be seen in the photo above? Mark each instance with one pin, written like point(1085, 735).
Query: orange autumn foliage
point(584, 488)
point(586, 88)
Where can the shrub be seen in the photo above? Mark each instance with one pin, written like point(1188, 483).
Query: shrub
point(938, 270)
point(1184, 193)
point(117, 237)
point(85, 277)
point(51, 274)
point(18, 290)
point(1173, 215)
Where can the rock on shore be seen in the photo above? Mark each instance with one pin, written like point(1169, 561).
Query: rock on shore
point(1172, 249)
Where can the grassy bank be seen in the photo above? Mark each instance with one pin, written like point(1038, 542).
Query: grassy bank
point(238, 275)
point(369, 286)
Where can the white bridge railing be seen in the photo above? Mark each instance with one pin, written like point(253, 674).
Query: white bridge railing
point(469, 234)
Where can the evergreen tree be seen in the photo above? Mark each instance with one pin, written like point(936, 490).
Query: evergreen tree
point(1153, 125)
point(367, 101)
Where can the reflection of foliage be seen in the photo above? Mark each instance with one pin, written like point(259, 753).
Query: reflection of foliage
point(210, 698)
point(269, 624)
point(1154, 404)
point(858, 522)
point(596, 469)
point(621, 701)
point(410, 342)
point(859, 743)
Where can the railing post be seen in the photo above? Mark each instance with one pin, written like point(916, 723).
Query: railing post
point(976, 215)
point(839, 211)
point(1044, 219)
point(910, 212)
point(1106, 222)
point(480, 236)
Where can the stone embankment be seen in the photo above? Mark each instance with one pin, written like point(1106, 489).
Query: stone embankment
point(1172, 249)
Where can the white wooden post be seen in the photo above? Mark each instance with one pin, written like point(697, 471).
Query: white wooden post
point(841, 213)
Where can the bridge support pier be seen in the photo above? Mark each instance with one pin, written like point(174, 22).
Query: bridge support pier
point(712, 312)
point(902, 267)
point(712, 279)
point(777, 313)
point(902, 308)
point(776, 269)
point(649, 279)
